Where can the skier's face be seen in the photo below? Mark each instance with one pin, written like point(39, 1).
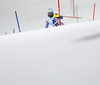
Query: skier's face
point(50, 14)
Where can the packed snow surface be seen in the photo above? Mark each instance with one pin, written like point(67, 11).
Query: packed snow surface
point(67, 55)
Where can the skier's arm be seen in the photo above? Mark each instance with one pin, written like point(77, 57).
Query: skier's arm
point(47, 24)
point(57, 16)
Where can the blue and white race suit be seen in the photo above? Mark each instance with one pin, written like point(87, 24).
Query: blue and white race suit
point(54, 21)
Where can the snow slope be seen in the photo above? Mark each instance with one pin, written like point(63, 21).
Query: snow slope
point(33, 13)
point(67, 55)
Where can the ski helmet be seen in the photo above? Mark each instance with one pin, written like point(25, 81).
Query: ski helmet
point(50, 13)
point(50, 10)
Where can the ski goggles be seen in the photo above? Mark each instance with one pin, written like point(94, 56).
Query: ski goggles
point(50, 13)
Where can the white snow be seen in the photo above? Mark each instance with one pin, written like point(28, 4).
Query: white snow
point(66, 55)
point(63, 55)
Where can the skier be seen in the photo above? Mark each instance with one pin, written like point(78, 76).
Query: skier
point(53, 19)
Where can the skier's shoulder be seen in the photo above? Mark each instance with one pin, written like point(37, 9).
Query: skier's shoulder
point(47, 19)
point(56, 15)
